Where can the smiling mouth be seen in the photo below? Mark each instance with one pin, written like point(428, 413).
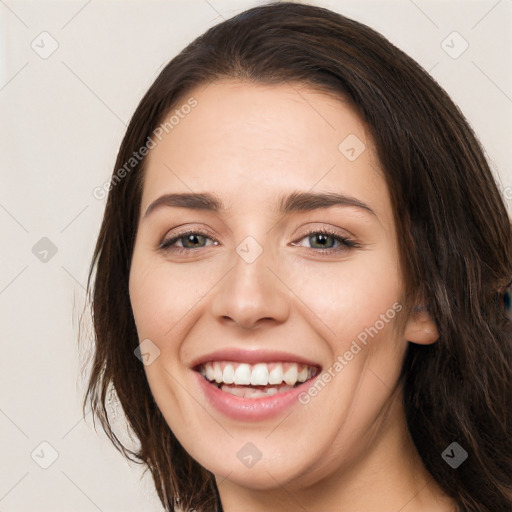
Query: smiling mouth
point(256, 380)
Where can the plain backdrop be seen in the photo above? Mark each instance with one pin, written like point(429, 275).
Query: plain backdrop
point(63, 115)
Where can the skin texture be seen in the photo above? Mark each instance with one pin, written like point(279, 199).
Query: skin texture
point(249, 144)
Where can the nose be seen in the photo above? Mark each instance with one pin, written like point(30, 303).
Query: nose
point(251, 294)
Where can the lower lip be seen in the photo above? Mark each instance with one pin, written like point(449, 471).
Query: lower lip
point(250, 409)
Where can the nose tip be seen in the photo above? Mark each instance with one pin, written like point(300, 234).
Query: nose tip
point(247, 321)
point(250, 295)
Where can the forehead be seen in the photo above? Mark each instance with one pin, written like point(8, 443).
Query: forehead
point(251, 143)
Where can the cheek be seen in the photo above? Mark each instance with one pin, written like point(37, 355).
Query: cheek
point(349, 297)
point(163, 295)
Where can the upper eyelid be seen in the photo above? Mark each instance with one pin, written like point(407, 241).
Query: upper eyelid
point(345, 233)
point(204, 231)
point(185, 232)
point(311, 231)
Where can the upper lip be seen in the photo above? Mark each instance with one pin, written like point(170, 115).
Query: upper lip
point(240, 355)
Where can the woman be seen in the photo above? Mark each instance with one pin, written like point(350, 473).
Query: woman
point(305, 248)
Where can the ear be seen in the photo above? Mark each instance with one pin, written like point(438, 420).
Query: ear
point(420, 328)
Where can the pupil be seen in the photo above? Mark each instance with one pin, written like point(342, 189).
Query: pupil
point(193, 238)
point(322, 238)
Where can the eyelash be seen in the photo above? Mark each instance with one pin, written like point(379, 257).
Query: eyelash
point(345, 243)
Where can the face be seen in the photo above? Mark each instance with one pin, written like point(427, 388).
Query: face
point(271, 317)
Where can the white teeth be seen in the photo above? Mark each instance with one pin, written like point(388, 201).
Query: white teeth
point(243, 375)
point(303, 374)
point(253, 392)
point(276, 375)
point(217, 372)
point(234, 390)
point(290, 376)
point(259, 375)
point(210, 374)
point(229, 374)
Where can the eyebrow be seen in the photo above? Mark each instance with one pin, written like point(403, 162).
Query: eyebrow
point(295, 202)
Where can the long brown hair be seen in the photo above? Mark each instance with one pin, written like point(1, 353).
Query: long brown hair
point(454, 235)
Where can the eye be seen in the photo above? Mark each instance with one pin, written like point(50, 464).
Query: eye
point(189, 240)
point(325, 241)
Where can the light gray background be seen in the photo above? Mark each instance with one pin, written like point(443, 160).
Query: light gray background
point(62, 120)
